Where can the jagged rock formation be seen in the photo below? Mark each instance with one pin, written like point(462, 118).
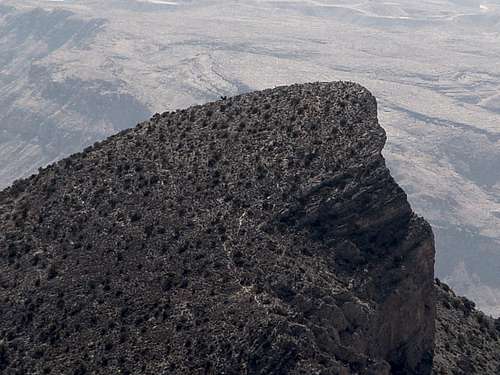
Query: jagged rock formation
point(260, 234)
point(467, 341)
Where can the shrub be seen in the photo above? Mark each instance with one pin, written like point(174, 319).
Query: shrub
point(3, 356)
point(51, 272)
point(80, 369)
point(135, 216)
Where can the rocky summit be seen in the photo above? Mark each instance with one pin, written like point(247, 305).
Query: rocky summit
point(260, 234)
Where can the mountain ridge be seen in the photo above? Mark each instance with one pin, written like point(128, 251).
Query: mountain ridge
point(257, 234)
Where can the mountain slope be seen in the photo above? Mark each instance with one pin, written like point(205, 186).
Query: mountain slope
point(467, 341)
point(80, 70)
point(260, 234)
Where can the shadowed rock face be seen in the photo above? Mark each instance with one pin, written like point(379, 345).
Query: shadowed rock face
point(260, 234)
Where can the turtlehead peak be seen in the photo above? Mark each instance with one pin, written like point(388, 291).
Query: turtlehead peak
point(260, 234)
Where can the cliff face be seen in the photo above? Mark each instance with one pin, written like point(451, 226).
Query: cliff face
point(260, 234)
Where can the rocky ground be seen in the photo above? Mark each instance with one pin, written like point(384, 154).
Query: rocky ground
point(467, 341)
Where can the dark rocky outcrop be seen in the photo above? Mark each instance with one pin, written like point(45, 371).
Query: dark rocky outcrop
point(260, 234)
point(467, 341)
